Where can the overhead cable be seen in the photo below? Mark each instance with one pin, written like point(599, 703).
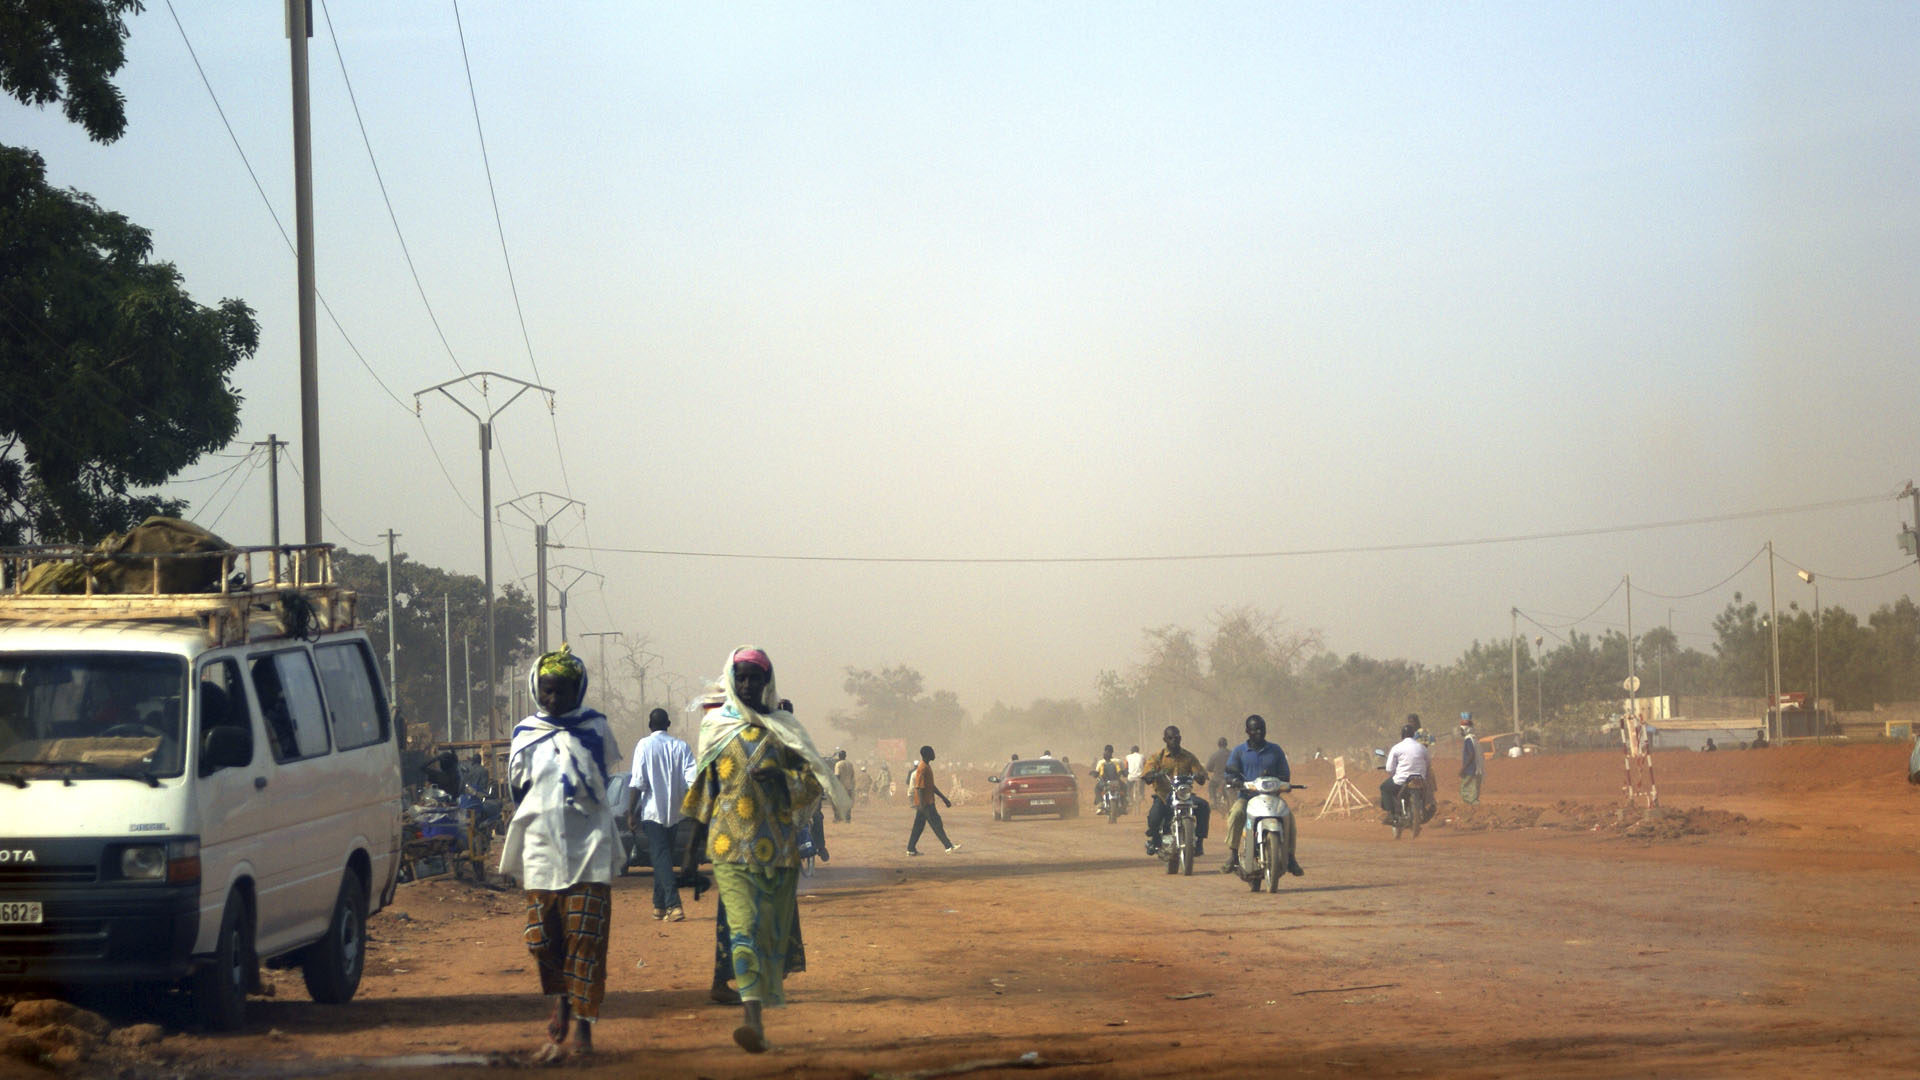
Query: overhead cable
point(1284, 553)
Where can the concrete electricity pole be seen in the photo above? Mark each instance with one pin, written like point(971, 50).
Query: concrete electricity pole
point(393, 620)
point(486, 503)
point(299, 29)
point(539, 500)
point(273, 445)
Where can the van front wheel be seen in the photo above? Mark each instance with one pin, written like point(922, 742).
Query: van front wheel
point(332, 965)
point(220, 984)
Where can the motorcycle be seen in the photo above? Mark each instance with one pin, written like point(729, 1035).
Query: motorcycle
point(1182, 832)
point(1110, 799)
point(1408, 809)
point(1265, 850)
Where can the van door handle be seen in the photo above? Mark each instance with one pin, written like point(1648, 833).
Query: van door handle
point(259, 782)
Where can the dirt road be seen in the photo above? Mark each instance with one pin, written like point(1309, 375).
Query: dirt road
point(1773, 932)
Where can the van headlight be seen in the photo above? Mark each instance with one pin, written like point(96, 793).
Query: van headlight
point(176, 861)
point(145, 862)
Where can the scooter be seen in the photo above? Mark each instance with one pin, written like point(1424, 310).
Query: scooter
point(1266, 843)
point(1182, 832)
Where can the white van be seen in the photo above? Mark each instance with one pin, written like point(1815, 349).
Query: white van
point(193, 784)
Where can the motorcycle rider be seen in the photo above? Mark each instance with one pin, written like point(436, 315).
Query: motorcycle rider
point(1408, 758)
point(1108, 771)
point(1254, 758)
point(1159, 770)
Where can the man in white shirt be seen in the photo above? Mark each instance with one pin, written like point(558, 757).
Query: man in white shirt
point(1408, 758)
point(1136, 761)
point(662, 769)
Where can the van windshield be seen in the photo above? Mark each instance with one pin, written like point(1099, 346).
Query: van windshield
point(88, 716)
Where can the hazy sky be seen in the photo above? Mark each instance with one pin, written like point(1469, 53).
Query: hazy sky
point(1051, 280)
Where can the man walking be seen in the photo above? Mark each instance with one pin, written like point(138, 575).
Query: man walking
point(923, 791)
point(1136, 761)
point(1472, 765)
point(662, 769)
point(843, 772)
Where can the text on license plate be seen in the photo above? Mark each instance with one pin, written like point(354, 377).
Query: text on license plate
point(1040, 802)
point(19, 911)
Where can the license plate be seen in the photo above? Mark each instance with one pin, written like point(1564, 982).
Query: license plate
point(1039, 802)
point(19, 911)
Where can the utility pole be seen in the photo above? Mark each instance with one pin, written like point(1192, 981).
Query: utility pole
point(1910, 538)
point(1773, 626)
point(486, 502)
point(603, 635)
point(466, 643)
point(273, 445)
point(578, 573)
point(539, 500)
point(446, 620)
point(299, 29)
point(393, 617)
point(1513, 650)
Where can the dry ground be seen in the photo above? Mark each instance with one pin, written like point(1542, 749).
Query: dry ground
point(1767, 925)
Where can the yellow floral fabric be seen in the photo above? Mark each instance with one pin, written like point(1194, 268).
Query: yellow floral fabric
point(749, 821)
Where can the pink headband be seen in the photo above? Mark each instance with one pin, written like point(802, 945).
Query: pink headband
point(755, 657)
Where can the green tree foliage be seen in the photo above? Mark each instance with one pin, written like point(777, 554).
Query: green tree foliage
point(892, 703)
point(111, 377)
point(421, 690)
point(67, 52)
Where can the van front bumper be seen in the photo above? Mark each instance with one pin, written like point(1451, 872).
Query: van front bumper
point(122, 932)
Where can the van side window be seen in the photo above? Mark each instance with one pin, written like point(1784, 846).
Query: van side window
point(223, 703)
point(290, 701)
point(353, 694)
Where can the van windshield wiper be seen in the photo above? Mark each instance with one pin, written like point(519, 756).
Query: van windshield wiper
point(144, 775)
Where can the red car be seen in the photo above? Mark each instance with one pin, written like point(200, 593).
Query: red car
point(1035, 786)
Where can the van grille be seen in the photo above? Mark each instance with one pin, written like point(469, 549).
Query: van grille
point(15, 874)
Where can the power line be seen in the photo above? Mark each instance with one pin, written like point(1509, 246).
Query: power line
point(324, 514)
point(487, 164)
point(354, 101)
point(1357, 549)
point(1713, 587)
point(257, 186)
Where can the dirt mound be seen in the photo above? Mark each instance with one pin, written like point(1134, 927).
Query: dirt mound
point(61, 1036)
point(1659, 823)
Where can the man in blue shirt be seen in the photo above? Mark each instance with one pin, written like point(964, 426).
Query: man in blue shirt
point(662, 769)
point(1253, 758)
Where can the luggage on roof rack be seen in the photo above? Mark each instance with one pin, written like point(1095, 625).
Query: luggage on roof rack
point(236, 593)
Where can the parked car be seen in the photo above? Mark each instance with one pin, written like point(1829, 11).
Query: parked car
point(1035, 786)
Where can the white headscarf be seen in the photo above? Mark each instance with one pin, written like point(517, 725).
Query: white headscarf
point(723, 724)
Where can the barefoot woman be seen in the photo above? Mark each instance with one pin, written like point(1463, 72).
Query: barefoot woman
point(564, 847)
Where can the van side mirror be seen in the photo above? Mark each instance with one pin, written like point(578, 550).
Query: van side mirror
point(225, 747)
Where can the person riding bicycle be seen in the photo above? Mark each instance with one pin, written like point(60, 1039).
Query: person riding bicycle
point(1109, 773)
point(1408, 758)
point(1159, 770)
point(1255, 758)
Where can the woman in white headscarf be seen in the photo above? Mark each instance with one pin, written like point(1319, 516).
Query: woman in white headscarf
point(758, 777)
point(563, 845)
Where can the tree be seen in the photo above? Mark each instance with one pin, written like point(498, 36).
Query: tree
point(111, 376)
point(67, 51)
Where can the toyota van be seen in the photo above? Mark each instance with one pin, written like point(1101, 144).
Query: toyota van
point(193, 784)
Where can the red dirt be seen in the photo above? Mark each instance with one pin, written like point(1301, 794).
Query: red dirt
point(1765, 924)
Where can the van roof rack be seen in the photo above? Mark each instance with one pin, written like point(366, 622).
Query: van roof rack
point(258, 592)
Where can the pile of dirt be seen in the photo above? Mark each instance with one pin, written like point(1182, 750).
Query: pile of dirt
point(1658, 823)
point(60, 1036)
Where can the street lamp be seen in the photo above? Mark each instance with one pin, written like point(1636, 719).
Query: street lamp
point(1807, 576)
